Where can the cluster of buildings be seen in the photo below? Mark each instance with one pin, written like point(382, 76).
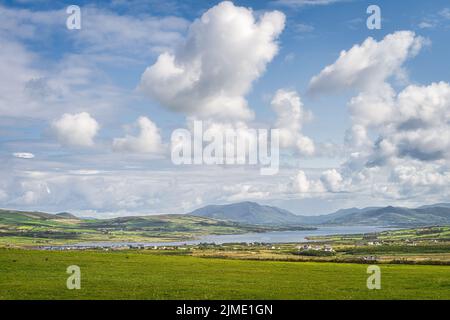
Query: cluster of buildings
point(110, 247)
point(135, 246)
point(307, 247)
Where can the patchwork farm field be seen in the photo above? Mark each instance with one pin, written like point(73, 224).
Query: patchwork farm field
point(32, 274)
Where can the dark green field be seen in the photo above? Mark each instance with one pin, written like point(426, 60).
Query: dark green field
point(29, 274)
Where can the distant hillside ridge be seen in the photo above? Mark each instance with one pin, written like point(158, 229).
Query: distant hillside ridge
point(249, 213)
point(394, 216)
point(254, 213)
point(67, 215)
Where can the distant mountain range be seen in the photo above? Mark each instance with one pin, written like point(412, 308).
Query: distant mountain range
point(391, 216)
point(222, 219)
point(256, 214)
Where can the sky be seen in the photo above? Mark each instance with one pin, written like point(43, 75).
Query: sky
point(86, 115)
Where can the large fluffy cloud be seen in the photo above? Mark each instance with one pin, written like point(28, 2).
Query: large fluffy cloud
point(147, 141)
point(367, 65)
point(332, 180)
point(225, 51)
point(386, 124)
point(76, 129)
point(300, 183)
point(329, 181)
point(290, 118)
point(413, 123)
point(399, 142)
point(418, 126)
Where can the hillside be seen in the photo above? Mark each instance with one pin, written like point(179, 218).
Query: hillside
point(249, 213)
point(21, 227)
point(393, 216)
point(335, 216)
point(67, 215)
point(253, 213)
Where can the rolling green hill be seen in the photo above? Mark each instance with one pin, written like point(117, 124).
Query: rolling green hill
point(21, 227)
point(393, 216)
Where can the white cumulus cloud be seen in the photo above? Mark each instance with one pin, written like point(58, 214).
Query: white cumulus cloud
point(290, 118)
point(76, 129)
point(147, 141)
point(367, 65)
point(419, 124)
point(399, 140)
point(224, 52)
point(302, 184)
point(332, 180)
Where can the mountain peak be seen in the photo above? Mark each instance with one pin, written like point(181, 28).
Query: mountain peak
point(66, 215)
point(249, 213)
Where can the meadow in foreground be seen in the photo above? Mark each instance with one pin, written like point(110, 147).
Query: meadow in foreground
point(32, 274)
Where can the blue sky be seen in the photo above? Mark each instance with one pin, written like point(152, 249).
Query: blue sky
point(73, 103)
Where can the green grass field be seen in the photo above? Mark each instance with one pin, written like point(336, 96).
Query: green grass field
point(441, 233)
point(29, 274)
